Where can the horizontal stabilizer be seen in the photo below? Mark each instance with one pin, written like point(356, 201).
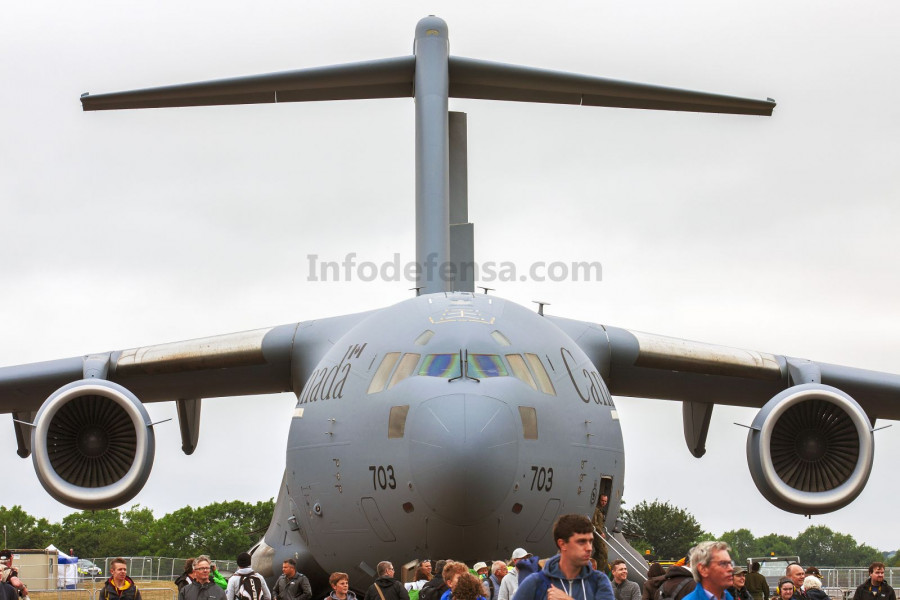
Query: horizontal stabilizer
point(395, 78)
point(386, 78)
point(472, 78)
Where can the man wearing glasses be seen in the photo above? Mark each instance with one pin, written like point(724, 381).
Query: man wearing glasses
point(202, 588)
point(713, 570)
point(385, 586)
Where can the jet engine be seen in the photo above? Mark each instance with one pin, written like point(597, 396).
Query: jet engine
point(810, 449)
point(93, 444)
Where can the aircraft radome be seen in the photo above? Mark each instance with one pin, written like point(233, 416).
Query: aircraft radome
point(395, 404)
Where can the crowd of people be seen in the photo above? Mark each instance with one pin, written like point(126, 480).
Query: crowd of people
point(706, 573)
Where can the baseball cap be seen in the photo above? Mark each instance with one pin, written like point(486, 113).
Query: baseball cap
point(520, 553)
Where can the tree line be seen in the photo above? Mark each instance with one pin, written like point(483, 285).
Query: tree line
point(221, 529)
point(224, 529)
point(668, 531)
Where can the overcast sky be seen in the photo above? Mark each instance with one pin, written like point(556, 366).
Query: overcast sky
point(776, 234)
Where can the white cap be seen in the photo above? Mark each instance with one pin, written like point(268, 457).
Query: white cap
point(479, 566)
point(520, 553)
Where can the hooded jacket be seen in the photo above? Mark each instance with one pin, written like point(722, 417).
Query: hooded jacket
point(674, 577)
point(391, 588)
point(587, 585)
point(111, 592)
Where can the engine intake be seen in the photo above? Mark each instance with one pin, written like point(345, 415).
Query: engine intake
point(93, 444)
point(810, 449)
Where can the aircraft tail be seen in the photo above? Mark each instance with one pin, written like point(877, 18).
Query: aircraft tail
point(431, 76)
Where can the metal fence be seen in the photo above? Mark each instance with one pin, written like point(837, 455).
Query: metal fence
point(74, 581)
point(852, 577)
point(157, 567)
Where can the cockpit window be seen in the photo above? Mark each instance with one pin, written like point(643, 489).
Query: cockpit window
point(500, 338)
point(486, 365)
point(544, 383)
point(517, 364)
point(424, 337)
point(383, 372)
point(407, 366)
point(440, 365)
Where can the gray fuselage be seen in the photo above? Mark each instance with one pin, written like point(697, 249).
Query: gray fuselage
point(398, 451)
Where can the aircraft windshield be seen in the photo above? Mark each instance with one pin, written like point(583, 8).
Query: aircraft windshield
point(440, 365)
point(447, 365)
point(486, 365)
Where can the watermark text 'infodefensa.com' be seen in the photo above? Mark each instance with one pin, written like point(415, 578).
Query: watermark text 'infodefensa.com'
point(351, 269)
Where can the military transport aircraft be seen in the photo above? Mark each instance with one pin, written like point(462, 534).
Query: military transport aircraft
point(395, 405)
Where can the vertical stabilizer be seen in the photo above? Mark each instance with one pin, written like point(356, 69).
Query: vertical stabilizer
point(432, 88)
point(462, 232)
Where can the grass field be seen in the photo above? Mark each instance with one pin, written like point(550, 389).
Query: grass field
point(151, 589)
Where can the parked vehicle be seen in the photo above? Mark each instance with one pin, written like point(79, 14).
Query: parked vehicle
point(773, 567)
point(87, 568)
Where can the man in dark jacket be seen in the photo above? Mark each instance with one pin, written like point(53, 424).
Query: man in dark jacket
point(874, 588)
point(385, 586)
point(203, 588)
point(119, 586)
point(436, 587)
point(291, 585)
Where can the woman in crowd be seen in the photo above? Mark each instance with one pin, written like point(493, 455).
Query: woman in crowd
point(655, 576)
point(812, 585)
point(185, 578)
point(785, 589)
point(468, 587)
point(340, 587)
point(422, 577)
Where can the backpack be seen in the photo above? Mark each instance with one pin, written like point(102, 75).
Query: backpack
point(250, 587)
point(661, 595)
point(493, 593)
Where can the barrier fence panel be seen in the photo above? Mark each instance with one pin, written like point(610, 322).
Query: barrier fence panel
point(156, 567)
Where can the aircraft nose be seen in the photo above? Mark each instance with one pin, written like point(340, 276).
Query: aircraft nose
point(453, 440)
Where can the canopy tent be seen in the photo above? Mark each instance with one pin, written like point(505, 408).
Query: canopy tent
point(67, 569)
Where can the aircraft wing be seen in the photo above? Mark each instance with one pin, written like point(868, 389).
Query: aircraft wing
point(262, 361)
point(810, 447)
point(646, 365)
point(395, 78)
point(95, 402)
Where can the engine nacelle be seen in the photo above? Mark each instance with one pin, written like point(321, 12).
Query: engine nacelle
point(810, 449)
point(93, 444)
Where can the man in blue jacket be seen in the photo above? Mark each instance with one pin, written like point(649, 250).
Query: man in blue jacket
point(568, 575)
point(713, 570)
